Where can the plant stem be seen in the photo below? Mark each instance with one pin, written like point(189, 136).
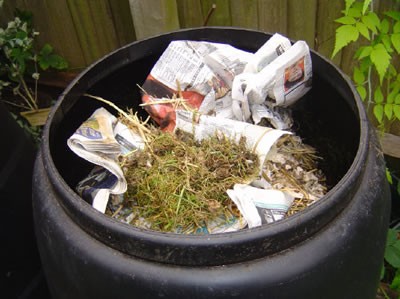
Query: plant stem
point(36, 80)
point(19, 93)
point(28, 93)
point(369, 88)
point(15, 105)
point(383, 292)
point(371, 5)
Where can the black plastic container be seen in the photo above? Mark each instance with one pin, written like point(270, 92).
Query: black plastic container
point(19, 257)
point(333, 249)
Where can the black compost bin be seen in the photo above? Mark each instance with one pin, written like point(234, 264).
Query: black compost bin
point(19, 257)
point(332, 249)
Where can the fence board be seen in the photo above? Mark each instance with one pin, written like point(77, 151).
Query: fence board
point(7, 12)
point(122, 21)
point(272, 16)
point(83, 31)
point(153, 17)
point(61, 34)
point(327, 12)
point(104, 31)
point(40, 23)
point(80, 13)
point(244, 13)
point(190, 13)
point(301, 20)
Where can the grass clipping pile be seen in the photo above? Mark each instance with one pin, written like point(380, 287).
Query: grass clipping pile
point(177, 184)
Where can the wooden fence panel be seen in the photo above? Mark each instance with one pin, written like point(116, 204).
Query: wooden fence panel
point(302, 17)
point(57, 28)
point(190, 13)
point(94, 27)
point(152, 17)
point(122, 20)
point(272, 16)
point(83, 31)
point(327, 12)
point(244, 13)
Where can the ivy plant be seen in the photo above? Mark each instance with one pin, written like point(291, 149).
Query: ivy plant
point(20, 58)
point(392, 259)
point(375, 75)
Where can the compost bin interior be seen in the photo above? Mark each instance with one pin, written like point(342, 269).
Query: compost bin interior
point(323, 118)
point(326, 118)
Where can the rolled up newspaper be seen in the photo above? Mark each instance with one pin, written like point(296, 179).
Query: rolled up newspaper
point(285, 80)
point(258, 139)
point(100, 140)
point(274, 47)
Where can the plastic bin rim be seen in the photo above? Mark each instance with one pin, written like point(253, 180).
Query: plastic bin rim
point(312, 212)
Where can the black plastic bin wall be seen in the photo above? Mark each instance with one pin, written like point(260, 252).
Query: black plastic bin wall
point(19, 257)
point(332, 249)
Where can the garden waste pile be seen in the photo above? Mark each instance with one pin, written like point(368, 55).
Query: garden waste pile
point(218, 154)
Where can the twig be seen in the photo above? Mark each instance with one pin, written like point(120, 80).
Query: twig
point(27, 92)
point(210, 12)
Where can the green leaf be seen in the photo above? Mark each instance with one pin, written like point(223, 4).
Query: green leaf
point(349, 3)
point(21, 35)
point(395, 85)
point(378, 95)
point(362, 92)
point(389, 179)
point(358, 52)
point(378, 112)
point(395, 285)
point(396, 27)
point(46, 50)
point(358, 76)
point(396, 110)
point(395, 38)
point(365, 52)
point(388, 111)
point(392, 256)
point(398, 184)
point(390, 98)
point(392, 249)
point(346, 20)
point(393, 14)
point(372, 21)
point(382, 272)
point(366, 5)
point(344, 35)
point(57, 62)
point(384, 27)
point(391, 237)
point(392, 72)
point(397, 99)
point(354, 12)
point(363, 29)
point(47, 59)
point(381, 59)
point(387, 43)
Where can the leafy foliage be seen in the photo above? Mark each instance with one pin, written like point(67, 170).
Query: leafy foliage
point(392, 251)
point(19, 58)
point(392, 258)
point(381, 36)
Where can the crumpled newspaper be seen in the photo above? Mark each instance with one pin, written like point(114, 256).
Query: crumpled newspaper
point(220, 80)
point(101, 139)
point(205, 89)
